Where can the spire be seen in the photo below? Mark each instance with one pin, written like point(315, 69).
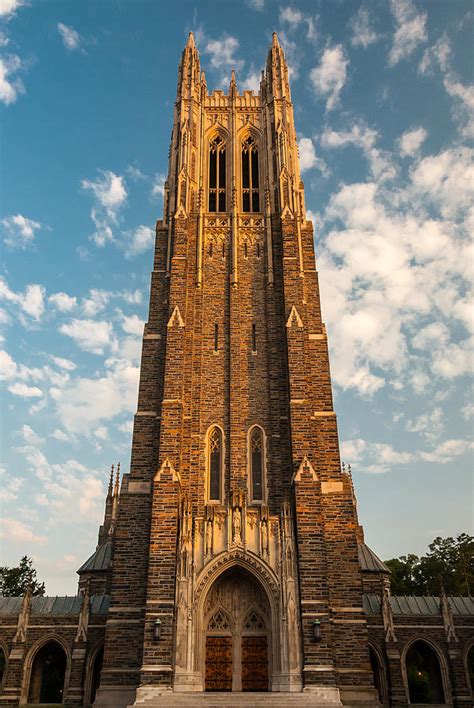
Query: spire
point(233, 84)
point(275, 42)
point(111, 482)
point(190, 42)
point(117, 481)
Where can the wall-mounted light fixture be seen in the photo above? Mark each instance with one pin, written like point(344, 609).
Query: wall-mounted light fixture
point(317, 630)
point(157, 630)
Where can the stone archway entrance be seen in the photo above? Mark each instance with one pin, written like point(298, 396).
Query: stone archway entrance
point(237, 622)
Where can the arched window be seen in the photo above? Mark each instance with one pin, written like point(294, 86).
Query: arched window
point(215, 460)
point(250, 183)
point(217, 176)
point(425, 683)
point(257, 462)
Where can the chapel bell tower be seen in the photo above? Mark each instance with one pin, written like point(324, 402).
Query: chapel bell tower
point(235, 563)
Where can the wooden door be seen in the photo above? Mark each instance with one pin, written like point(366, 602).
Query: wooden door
point(254, 664)
point(218, 663)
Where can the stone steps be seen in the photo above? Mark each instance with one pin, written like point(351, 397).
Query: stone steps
point(233, 700)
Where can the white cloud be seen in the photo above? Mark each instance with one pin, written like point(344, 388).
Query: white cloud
point(20, 231)
point(430, 425)
point(89, 335)
point(8, 368)
point(463, 96)
point(411, 141)
point(135, 173)
point(252, 82)
point(10, 84)
point(9, 487)
point(363, 33)
point(31, 302)
point(290, 15)
point(133, 325)
point(101, 432)
point(18, 533)
point(142, 239)
point(158, 189)
point(447, 451)
point(30, 437)
point(8, 7)
point(307, 154)
point(21, 389)
point(256, 4)
point(222, 54)
point(467, 411)
point(84, 402)
point(60, 435)
point(63, 302)
point(96, 302)
point(365, 138)
point(329, 77)
point(70, 37)
point(110, 195)
point(374, 457)
point(395, 273)
point(410, 30)
point(133, 297)
point(63, 363)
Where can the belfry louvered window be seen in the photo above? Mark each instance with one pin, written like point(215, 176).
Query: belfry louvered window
point(256, 463)
point(250, 183)
point(217, 176)
point(215, 463)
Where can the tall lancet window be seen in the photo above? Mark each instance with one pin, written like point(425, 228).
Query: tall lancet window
point(217, 174)
point(256, 459)
point(250, 183)
point(215, 463)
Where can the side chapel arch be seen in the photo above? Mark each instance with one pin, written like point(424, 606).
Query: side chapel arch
point(32, 686)
point(425, 673)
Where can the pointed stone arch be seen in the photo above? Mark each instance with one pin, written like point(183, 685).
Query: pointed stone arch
point(434, 666)
point(294, 317)
point(175, 319)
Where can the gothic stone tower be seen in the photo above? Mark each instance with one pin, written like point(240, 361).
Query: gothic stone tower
point(235, 563)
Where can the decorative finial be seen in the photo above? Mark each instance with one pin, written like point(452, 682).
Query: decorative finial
point(275, 41)
point(343, 465)
point(117, 481)
point(190, 42)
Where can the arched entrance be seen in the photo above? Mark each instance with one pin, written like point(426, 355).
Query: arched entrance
point(237, 623)
point(425, 682)
point(47, 674)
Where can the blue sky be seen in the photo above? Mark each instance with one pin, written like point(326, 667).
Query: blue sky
point(384, 109)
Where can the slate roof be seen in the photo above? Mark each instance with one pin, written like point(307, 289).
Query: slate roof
point(418, 605)
point(59, 605)
point(99, 560)
point(369, 561)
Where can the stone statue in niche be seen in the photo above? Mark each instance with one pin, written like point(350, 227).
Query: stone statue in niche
point(237, 526)
point(265, 538)
point(209, 537)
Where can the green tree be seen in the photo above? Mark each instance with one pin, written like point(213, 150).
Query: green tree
point(449, 564)
point(15, 581)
